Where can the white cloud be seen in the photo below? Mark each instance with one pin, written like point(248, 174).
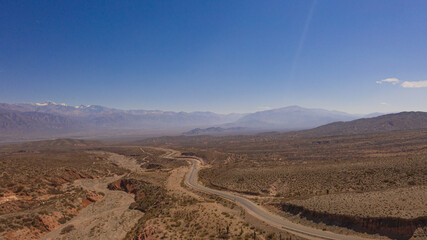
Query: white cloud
point(405, 84)
point(264, 108)
point(383, 103)
point(418, 84)
point(393, 81)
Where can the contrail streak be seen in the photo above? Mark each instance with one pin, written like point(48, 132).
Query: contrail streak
point(302, 39)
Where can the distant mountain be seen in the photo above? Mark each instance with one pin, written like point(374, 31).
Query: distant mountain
point(291, 118)
point(214, 131)
point(49, 119)
point(57, 108)
point(31, 123)
point(53, 119)
point(282, 119)
point(375, 114)
point(383, 123)
point(99, 116)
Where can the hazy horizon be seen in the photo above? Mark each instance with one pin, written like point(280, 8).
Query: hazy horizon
point(259, 109)
point(357, 57)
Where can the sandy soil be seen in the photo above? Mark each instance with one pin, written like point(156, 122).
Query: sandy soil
point(125, 162)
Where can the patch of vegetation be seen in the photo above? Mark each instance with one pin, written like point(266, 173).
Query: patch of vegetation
point(67, 229)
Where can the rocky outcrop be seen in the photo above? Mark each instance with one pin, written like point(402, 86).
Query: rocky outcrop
point(91, 197)
point(68, 175)
point(132, 186)
point(49, 222)
point(147, 195)
point(127, 185)
point(395, 228)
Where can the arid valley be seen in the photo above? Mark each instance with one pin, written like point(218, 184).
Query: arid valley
point(216, 120)
point(296, 185)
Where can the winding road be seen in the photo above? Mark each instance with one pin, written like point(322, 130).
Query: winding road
point(263, 214)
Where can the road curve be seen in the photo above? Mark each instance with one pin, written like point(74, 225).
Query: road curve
point(263, 214)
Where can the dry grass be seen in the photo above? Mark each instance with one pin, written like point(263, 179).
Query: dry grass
point(369, 176)
point(406, 203)
point(284, 168)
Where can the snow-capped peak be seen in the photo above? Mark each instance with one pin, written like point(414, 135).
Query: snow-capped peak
point(40, 104)
point(50, 103)
point(83, 106)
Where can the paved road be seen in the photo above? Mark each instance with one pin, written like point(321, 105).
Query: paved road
point(263, 214)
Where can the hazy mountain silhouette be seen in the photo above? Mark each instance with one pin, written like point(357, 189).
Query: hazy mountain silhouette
point(51, 119)
point(31, 123)
point(291, 118)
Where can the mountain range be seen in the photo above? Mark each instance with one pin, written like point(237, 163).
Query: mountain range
point(291, 118)
point(100, 116)
point(49, 119)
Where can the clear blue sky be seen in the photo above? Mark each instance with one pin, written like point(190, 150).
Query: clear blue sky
point(221, 56)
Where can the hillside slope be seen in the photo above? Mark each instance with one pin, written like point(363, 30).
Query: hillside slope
point(56, 144)
point(384, 123)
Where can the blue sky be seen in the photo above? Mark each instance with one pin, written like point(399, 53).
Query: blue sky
point(221, 56)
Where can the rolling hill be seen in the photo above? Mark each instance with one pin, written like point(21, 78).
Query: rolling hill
point(215, 131)
point(398, 124)
point(61, 143)
point(383, 123)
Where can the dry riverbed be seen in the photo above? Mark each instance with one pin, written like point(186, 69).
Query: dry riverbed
point(109, 218)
